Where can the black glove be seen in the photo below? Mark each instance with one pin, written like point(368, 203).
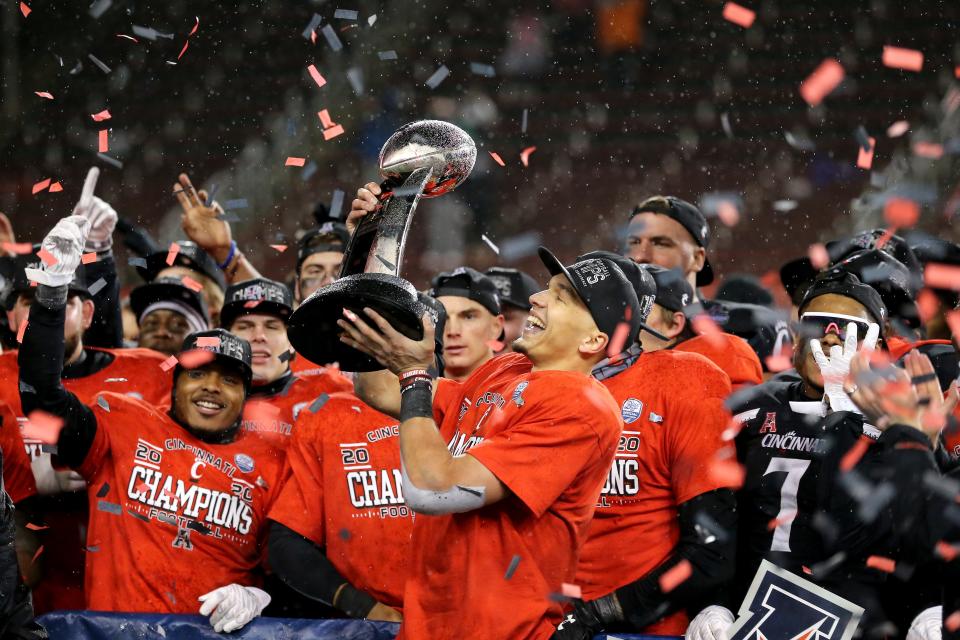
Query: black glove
point(586, 620)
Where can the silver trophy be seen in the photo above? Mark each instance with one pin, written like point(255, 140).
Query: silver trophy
point(422, 159)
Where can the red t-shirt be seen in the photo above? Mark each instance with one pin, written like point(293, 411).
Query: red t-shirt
point(673, 414)
point(303, 367)
point(731, 353)
point(17, 475)
point(899, 347)
point(549, 437)
point(273, 417)
point(343, 491)
point(171, 517)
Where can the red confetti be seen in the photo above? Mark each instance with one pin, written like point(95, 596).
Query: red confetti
point(942, 276)
point(172, 253)
point(496, 158)
point(852, 457)
point(675, 576)
point(21, 331)
point(260, 412)
point(618, 340)
point(706, 327)
point(295, 162)
point(325, 119)
point(900, 212)
point(571, 590)
point(37, 554)
point(953, 321)
point(313, 36)
point(736, 14)
point(952, 622)
point(319, 79)
point(956, 71)
point(40, 186)
point(195, 27)
point(87, 258)
point(19, 248)
point(821, 82)
point(104, 142)
point(899, 58)
point(898, 128)
point(279, 247)
point(56, 187)
point(495, 345)
point(208, 341)
point(727, 473)
point(24, 9)
point(881, 563)
point(184, 50)
point(779, 362)
point(728, 214)
point(776, 522)
point(928, 305)
point(48, 258)
point(250, 304)
point(865, 157)
point(929, 150)
point(101, 116)
point(818, 255)
point(44, 94)
point(37, 527)
point(332, 132)
point(525, 155)
point(169, 363)
point(191, 284)
point(196, 358)
point(42, 427)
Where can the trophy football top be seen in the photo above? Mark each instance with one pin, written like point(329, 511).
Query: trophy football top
point(443, 148)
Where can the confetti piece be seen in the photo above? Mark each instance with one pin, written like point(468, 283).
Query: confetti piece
point(942, 276)
point(514, 563)
point(776, 522)
point(325, 120)
point(318, 404)
point(37, 554)
point(852, 457)
point(437, 77)
point(525, 155)
point(40, 186)
point(44, 94)
point(345, 14)
point(184, 50)
point(617, 341)
point(105, 489)
point(310, 33)
point(100, 64)
point(898, 128)
point(168, 364)
point(495, 345)
point(99, 8)
point(675, 576)
point(19, 248)
point(818, 255)
point(191, 284)
point(496, 158)
point(140, 516)
point(24, 9)
point(570, 590)
point(279, 247)
point(309, 170)
point(387, 263)
point(355, 76)
point(523, 121)
point(88, 258)
point(865, 156)
point(490, 244)
point(881, 563)
point(728, 473)
point(821, 82)
point(48, 258)
point(332, 132)
point(196, 358)
point(37, 527)
point(208, 341)
point(928, 305)
point(172, 253)
point(239, 203)
point(705, 326)
point(295, 162)
point(103, 404)
point(137, 262)
point(56, 187)
point(899, 58)
point(371, 20)
point(104, 143)
point(42, 427)
point(195, 26)
point(929, 150)
point(251, 304)
point(112, 161)
point(778, 363)
point(732, 12)
point(331, 36)
point(483, 70)
point(387, 55)
point(123, 35)
point(319, 79)
point(901, 212)
point(727, 213)
point(109, 507)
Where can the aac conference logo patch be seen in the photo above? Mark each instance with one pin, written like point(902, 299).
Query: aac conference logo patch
point(784, 606)
point(243, 462)
point(631, 410)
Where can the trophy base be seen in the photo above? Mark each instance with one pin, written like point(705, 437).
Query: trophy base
point(313, 330)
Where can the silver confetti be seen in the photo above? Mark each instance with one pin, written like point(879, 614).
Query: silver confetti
point(438, 76)
point(99, 8)
point(345, 14)
point(308, 171)
point(387, 55)
point(485, 70)
point(371, 20)
point(109, 160)
point(523, 122)
point(97, 61)
point(725, 123)
point(109, 507)
point(332, 39)
point(314, 23)
point(490, 243)
point(239, 203)
point(336, 203)
point(355, 77)
point(95, 288)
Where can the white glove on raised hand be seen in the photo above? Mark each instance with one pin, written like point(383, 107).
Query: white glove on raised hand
point(65, 243)
point(928, 625)
point(710, 624)
point(836, 368)
point(233, 606)
point(100, 215)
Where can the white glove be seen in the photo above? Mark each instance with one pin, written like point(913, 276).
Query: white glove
point(100, 215)
point(927, 625)
point(710, 624)
point(65, 243)
point(50, 481)
point(233, 606)
point(836, 368)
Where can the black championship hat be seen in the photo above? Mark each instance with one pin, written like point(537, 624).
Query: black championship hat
point(603, 288)
point(227, 349)
point(20, 283)
point(890, 278)
point(515, 286)
point(190, 256)
point(170, 294)
point(689, 217)
point(837, 280)
point(929, 249)
point(673, 291)
point(465, 282)
point(329, 236)
point(258, 295)
point(881, 240)
point(642, 282)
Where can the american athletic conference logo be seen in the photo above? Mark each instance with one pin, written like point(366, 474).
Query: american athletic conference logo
point(631, 410)
point(783, 606)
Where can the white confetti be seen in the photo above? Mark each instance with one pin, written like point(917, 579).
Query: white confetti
point(438, 76)
point(490, 244)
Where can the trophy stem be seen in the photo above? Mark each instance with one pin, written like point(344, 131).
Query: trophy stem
point(386, 252)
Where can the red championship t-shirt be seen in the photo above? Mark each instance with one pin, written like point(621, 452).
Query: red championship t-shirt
point(549, 437)
point(273, 416)
point(303, 368)
point(731, 353)
point(673, 417)
point(343, 491)
point(17, 475)
point(171, 517)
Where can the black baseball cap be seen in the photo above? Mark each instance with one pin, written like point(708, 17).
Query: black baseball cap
point(329, 236)
point(258, 295)
point(642, 282)
point(230, 350)
point(890, 278)
point(838, 281)
point(191, 256)
point(604, 289)
point(673, 291)
point(170, 294)
point(467, 283)
point(20, 283)
point(796, 276)
point(514, 286)
point(879, 239)
point(689, 217)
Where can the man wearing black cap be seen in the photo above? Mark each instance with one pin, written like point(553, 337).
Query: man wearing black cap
point(257, 310)
point(194, 267)
point(783, 443)
point(512, 473)
point(319, 258)
point(515, 288)
point(182, 495)
point(166, 313)
point(474, 328)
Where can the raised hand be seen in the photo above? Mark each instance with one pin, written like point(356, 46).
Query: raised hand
point(201, 222)
point(366, 202)
point(62, 249)
point(100, 215)
point(836, 367)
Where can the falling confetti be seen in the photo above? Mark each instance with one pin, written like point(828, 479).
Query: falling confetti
point(514, 563)
point(496, 158)
point(48, 258)
point(675, 576)
point(172, 252)
point(387, 55)
point(42, 426)
point(319, 79)
point(865, 156)
point(24, 9)
point(942, 276)
point(736, 14)
point(898, 128)
point(818, 255)
point(104, 143)
point(881, 563)
point(293, 161)
point(88, 258)
point(191, 284)
point(727, 213)
point(168, 364)
point(317, 404)
point(40, 186)
point(901, 213)
point(21, 331)
point(100, 64)
point(899, 58)
point(44, 94)
point(196, 358)
point(525, 155)
point(101, 116)
point(279, 247)
point(490, 243)
point(184, 50)
point(208, 341)
point(821, 82)
point(570, 590)
point(438, 76)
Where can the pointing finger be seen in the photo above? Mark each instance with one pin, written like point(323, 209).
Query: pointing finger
point(89, 186)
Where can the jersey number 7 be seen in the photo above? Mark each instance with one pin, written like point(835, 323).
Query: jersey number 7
point(788, 498)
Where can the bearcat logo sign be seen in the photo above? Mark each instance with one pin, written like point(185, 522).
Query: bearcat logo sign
point(783, 606)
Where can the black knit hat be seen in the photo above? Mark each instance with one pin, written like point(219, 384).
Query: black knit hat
point(837, 280)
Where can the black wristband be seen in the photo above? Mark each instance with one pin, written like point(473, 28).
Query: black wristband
point(416, 401)
point(353, 602)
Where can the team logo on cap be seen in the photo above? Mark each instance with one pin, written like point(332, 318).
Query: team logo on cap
point(591, 271)
point(631, 410)
point(503, 285)
point(684, 299)
point(243, 462)
point(259, 292)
